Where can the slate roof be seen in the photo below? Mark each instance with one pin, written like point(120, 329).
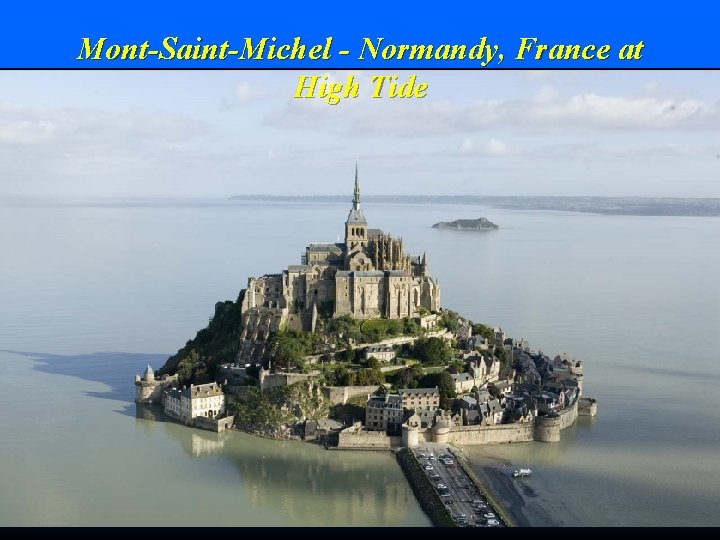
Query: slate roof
point(356, 216)
point(322, 248)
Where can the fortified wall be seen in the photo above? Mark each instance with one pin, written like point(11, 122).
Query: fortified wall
point(148, 389)
point(268, 380)
point(339, 395)
point(542, 429)
point(356, 438)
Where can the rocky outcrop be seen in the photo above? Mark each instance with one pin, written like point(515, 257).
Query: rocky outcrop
point(480, 224)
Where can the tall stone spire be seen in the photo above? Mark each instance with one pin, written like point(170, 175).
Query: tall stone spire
point(356, 195)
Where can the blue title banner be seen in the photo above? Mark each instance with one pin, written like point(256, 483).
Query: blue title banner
point(414, 36)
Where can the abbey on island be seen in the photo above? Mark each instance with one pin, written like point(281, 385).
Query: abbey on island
point(369, 275)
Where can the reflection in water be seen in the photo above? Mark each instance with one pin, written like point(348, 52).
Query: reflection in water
point(303, 481)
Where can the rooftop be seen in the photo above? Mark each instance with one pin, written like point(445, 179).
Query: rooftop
point(356, 216)
point(419, 391)
point(333, 248)
point(379, 348)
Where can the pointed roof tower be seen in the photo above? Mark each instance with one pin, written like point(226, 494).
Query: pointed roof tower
point(356, 194)
point(356, 214)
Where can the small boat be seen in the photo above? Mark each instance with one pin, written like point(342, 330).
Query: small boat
point(521, 473)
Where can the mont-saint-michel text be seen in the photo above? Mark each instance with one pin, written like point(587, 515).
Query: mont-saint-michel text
point(479, 52)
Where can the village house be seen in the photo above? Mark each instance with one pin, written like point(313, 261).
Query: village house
point(428, 322)
point(382, 353)
point(384, 412)
point(464, 382)
point(478, 343)
point(463, 334)
point(205, 400)
point(420, 398)
point(483, 368)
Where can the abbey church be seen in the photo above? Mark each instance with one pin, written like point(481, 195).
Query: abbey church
point(367, 276)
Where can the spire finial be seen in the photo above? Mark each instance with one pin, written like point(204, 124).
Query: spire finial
point(356, 194)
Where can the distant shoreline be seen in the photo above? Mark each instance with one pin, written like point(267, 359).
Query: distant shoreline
point(620, 206)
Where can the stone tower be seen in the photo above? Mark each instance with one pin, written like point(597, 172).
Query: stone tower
point(149, 374)
point(356, 227)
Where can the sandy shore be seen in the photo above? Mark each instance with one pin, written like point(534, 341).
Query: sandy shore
point(517, 497)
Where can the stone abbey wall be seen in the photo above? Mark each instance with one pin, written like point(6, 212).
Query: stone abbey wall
point(351, 439)
point(339, 395)
point(543, 429)
point(587, 407)
point(152, 391)
point(503, 433)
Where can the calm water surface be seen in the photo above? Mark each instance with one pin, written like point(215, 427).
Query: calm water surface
point(90, 293)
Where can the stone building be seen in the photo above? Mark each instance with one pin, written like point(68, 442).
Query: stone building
point(383, 413)
point(205, 400)
point(483, 368)
point(383, 353)
point(148, 389)
point(416, 399)
point(369, 275)
point(464, 382)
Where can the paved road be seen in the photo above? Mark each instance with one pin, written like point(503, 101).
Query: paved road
point(461, 495)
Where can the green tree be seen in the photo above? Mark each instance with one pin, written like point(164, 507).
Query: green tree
point(289, 348)
point(433, 351)
point(408, 377)
point(500, 353)
point(483, 330)
point(411, 327)
point(450, 320)
point(373, 362)
point(213, 345)
point(369, 376)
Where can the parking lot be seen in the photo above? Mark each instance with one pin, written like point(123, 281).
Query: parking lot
point(464, 500)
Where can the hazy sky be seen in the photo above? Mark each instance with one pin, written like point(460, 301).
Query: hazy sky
point(220, 133)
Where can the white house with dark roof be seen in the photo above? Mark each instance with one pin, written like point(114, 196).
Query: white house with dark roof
point(383, 353)
point(464, 382)
point(205, 400)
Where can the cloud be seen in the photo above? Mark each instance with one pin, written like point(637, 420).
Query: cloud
point(492, 147)
point(66, 126)
point(40, 146)
point(546, 111)
point(247, 93)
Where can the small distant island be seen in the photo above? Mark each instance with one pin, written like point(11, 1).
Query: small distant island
point(480, 224)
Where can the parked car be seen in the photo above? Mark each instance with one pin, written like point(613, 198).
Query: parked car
point(428, 467)
point(492, 523)
point(489, 515)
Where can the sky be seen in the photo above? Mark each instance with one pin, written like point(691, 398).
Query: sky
point(477, 132)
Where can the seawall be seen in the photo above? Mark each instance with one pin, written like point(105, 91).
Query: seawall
point(542, 428)
point(587, 407)
point(354, 438)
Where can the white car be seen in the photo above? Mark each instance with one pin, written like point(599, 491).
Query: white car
point(441, 486)
point(492, 523)
point(489, 515)
point(428, 467)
